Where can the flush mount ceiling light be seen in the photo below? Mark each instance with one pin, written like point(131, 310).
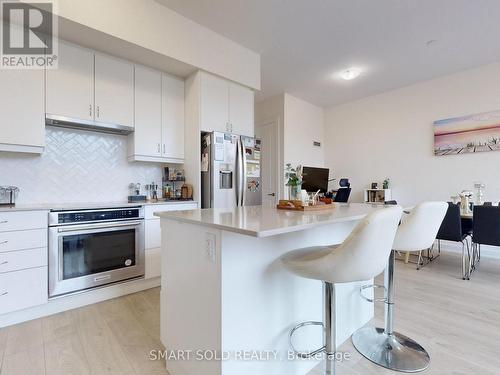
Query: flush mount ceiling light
point(350, 73)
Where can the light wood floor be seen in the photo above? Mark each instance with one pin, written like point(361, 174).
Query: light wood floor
point(458, 322)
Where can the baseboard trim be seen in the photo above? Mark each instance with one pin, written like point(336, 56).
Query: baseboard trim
point(78, 300)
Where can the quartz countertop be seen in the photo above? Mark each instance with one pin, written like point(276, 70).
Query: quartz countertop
point(259, 221)
point(84, 205)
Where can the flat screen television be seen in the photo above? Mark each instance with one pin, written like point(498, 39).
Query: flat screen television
point(315, 179)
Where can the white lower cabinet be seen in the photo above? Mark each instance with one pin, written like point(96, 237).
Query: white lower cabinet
point(153, 234)
point(23, 260)
point(22, 289)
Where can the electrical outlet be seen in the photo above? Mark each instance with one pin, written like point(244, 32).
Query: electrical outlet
point(210, 247)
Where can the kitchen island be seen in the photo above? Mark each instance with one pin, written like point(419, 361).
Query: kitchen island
point(227, 305)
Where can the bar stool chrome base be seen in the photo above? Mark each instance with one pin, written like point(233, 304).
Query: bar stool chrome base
point(395, 352)
point(385, 347)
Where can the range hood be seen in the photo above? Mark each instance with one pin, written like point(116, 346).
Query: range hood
point(96, 126)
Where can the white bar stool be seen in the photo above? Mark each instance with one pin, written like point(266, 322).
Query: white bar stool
point(362, 256)
point(383, 346)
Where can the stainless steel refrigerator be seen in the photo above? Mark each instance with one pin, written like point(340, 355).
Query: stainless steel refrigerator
point(230, 171)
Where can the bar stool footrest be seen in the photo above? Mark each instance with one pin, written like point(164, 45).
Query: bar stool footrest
point(372, 286)
point(302, 354)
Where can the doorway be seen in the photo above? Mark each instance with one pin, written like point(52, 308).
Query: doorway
point(270, 167)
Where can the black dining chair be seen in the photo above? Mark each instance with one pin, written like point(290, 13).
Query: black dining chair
point(485, 228)
point(452, 229)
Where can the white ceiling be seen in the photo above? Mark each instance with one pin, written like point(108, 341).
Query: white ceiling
point(304, 42)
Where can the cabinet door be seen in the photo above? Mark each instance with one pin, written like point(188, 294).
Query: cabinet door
point(114, 90)
point(70, 87)
point(23, 122)
point(214, 104)
point(147, 133)
point(172, 117)
point(241, 110)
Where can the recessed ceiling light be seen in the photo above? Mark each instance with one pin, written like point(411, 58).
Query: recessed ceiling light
point(350, 73)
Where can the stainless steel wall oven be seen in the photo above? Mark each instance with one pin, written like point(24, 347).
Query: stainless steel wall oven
point(91, 248)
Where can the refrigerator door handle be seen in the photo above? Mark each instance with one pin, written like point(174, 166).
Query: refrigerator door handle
point(238, 174)
point(243, 173)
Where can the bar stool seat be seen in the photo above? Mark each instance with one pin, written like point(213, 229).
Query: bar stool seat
point(362, 256)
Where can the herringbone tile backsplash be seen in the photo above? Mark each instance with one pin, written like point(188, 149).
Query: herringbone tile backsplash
point(77, 166)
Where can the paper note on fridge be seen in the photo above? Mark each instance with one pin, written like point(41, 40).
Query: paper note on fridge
point(253, 170)
point(204, 162)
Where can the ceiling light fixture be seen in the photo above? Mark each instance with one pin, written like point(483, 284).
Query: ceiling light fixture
point(350, 73)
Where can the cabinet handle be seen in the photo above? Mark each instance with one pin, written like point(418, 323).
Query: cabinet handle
point(4, 242)
point(4, 294)
point(4, 262)
point(164, 149)
point(158, 146)
point(90, 110)
point(98, 111)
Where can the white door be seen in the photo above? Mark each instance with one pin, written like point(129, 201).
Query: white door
point(147, 134)
point(70, 87)
point(241, 110)
point(214, 104)
point(269, 135)
point(114, 90)
point(172, 117)
point(22, 127)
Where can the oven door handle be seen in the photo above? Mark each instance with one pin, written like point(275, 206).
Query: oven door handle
point(75, 228)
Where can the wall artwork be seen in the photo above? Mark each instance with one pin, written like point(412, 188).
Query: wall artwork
point(463, 135)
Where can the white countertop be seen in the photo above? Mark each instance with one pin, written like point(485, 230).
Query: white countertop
point(83, 206)
point(259, 221)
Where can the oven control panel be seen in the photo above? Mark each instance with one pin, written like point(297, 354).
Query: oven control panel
point(86, 216)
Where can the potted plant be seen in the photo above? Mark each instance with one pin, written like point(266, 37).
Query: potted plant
point(293, 177)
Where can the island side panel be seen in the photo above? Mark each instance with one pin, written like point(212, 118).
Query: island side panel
point(261, 301)
point(190, 295)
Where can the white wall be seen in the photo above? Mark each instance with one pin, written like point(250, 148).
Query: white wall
point(77, 166)
point(148, 24)
point(304, 123)
point(391, 135)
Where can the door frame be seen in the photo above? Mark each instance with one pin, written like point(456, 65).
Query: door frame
point(279, 146)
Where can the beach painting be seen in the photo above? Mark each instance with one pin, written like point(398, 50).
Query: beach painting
point(463, 135)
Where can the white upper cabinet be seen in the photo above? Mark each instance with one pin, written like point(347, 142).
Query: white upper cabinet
point(22, 128)
point(114, 90)
point(226, 106)
point(159, 118)
point(172, 118)
point(241, 109)
point(214, 104)
point(70, 87)
point(146, 139)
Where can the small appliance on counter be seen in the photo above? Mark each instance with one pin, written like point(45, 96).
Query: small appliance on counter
point(135, 193)
point(8, 195)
